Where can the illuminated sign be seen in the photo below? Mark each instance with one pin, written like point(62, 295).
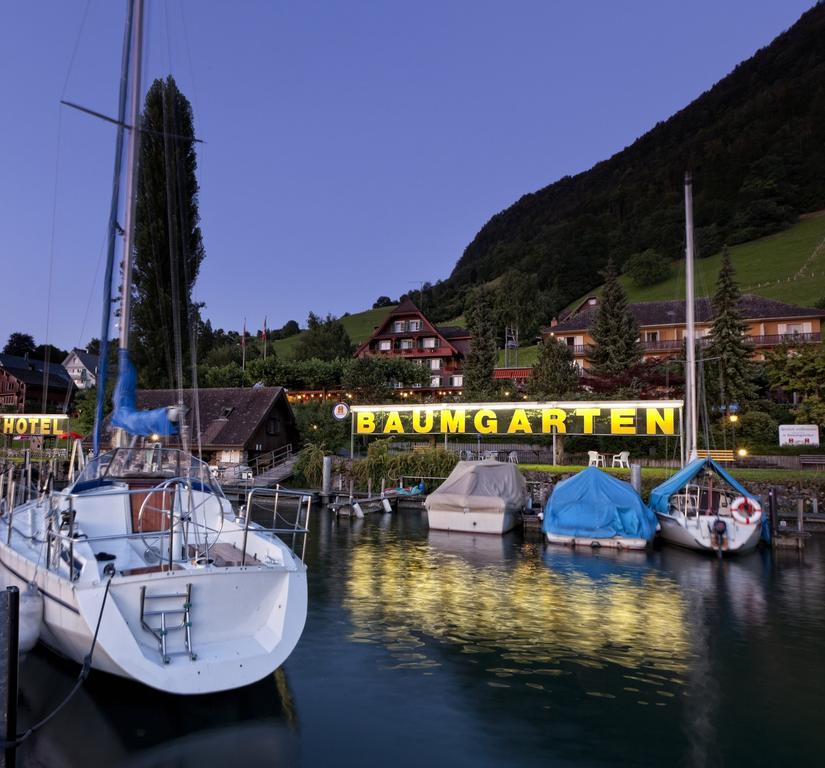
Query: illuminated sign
point(643, 417)
point(33, 424)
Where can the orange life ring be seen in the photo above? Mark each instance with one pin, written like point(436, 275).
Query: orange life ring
point(746, 510)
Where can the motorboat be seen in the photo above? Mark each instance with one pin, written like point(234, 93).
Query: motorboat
point(594, 509)
point(478, 497)
point(703, 507)
point(144, 565)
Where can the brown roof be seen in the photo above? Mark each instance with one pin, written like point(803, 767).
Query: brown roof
point(229, 416)
point(453, 332)
point(673, 312)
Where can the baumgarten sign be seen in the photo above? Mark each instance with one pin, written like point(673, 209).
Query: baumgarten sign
point(643, 418)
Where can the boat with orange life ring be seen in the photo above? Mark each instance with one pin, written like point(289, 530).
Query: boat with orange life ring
point(746, 510)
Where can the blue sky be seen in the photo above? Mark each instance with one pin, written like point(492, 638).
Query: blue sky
point(352, 149)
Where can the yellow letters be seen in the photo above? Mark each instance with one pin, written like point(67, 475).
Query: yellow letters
point(659, 420)
point(365, 422)
point(485, 422)
point(519, 422)
point(427, 426)
point(453, 421)
point(589, 415)
point(393, 423)
point(553, 417)
point(622, 421)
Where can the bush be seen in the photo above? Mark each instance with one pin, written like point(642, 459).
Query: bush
point(380, 463)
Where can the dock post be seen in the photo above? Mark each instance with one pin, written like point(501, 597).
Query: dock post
point(369, 488)
point(800, 516)
point(9, 633)
point(383, 487)
point(772, 513)
point(326, 480)
point(636, 478)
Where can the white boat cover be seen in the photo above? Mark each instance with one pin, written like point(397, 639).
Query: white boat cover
point(482, 486)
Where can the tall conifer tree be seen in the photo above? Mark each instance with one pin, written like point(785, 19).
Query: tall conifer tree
point(554, 373)
point(615, 332)
point(727, 341)
point(481, 360)
point(168, 245)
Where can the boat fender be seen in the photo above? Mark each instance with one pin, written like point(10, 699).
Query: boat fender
point(31, 618)
point(746, 511)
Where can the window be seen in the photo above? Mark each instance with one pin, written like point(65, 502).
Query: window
point(385, 345)
point(398, 384)
point(651, 335)
point(435, 381)
point(415, 325)
point(570, 340)
point(430, 342)
point(456, 381)
point(435, 363)
point(273, 427)
point(398, 326)
point(406, 343)
point(226, 412)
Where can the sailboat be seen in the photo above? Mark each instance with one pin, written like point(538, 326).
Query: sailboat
point(702, 506)
point(145, 569)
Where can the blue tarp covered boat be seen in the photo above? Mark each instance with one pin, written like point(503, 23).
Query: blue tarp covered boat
point(595, 509)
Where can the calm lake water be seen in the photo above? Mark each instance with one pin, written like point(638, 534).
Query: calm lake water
point(427, 648)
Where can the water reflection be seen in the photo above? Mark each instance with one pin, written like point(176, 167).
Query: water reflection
point(538, 613)
point(115, 722)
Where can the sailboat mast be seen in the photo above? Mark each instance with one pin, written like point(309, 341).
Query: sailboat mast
point(691, 410)
point(131, 178)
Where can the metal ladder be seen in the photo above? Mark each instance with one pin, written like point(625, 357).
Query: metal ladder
point(160, 633)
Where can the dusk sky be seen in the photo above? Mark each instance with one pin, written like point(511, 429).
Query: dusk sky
point(352, 149)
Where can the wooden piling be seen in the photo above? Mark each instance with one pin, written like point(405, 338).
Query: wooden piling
point(9, 633)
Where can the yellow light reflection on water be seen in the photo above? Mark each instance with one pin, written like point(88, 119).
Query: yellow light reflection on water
point(400, 593)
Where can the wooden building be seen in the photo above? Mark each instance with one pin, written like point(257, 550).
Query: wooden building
point(662, 325)
point(22, 383)
point(237, 424)
point(407, 333)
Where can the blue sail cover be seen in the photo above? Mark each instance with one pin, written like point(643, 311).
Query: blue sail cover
point(595, 505)
point(660, 495)
point(126, 415)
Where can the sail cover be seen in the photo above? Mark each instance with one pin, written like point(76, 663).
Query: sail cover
point(126, 416)
point(660, 495)
point(595, 505)
point(488, 485)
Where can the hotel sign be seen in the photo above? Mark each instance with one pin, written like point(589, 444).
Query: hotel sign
point(643, 418)
point(32, 424)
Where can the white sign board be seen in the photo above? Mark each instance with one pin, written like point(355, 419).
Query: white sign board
point(798, 434)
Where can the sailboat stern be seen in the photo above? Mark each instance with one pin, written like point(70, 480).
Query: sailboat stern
point(198, 631)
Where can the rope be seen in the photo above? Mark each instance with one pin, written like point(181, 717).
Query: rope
point(84, 673)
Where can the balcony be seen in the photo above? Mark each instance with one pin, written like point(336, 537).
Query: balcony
point(785, 338)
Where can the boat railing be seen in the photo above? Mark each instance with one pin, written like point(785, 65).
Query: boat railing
point(276, 494)
point(183, 527)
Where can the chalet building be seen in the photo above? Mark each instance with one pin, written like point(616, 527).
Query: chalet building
point(662, 326)
point(22, 381)
point(82, 368)
point(237, 424)
point(407, 333)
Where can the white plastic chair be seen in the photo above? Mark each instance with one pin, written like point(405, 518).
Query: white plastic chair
point(621, 459)
point(512, 457)
point(595, 459)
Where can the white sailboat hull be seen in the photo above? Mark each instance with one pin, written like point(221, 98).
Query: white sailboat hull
point(243, 620)
point(694, 533)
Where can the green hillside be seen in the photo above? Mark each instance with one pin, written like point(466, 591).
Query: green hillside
point(359, 327)
point(789, 266)
point(755, 143)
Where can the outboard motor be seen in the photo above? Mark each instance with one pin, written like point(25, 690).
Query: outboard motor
point(719, 535)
